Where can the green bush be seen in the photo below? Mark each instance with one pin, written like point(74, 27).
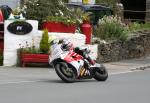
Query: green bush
point(111, 27)
point(41, 9)
point(62, 19)
point(44, 45)
point(133, 27)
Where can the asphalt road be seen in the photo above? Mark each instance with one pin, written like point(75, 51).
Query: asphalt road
point(132, 87)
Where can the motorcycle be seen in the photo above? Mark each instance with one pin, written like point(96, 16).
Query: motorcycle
point(72, 67)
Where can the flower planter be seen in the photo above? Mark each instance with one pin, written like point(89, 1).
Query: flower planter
point(59, 27)
point(34, 58)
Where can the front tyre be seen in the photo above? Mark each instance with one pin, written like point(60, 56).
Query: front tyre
point(100, 73)
point(66, 73)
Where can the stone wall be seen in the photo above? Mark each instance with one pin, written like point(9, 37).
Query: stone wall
point(148, 11)
point(137, 45)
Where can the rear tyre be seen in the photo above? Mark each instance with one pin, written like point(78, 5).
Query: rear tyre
point(100, 73)
point(66, 73)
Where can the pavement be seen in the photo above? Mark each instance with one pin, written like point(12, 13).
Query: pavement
point(128, 65)
point(35, 74)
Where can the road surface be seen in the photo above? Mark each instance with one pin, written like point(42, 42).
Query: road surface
point(131, 87)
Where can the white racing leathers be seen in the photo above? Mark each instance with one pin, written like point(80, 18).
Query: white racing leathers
point(57, 52)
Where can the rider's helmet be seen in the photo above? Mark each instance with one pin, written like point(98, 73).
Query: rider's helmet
point(66, 45)
point(52, 40)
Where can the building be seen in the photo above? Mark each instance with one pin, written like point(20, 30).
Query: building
point(136, 10)
point(11, 3)
point(82, 1)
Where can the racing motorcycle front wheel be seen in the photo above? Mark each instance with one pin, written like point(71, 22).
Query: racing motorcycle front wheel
point(100, 73)
point(65, 72)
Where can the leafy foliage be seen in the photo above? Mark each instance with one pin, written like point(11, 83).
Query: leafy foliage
point(16, 11)
point(27, 48)
point(61, 19)
point(111, 27)
point(41, 9)
point(135, 26)
point(44, 45)
point(66, 1)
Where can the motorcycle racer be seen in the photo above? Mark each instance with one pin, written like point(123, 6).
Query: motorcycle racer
point(72, 66)
point(66, 45)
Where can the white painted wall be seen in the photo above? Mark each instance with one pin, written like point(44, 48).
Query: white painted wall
point(80, 1)
point(12, 41)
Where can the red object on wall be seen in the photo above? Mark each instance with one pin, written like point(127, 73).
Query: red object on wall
point(1, 45)
point(1, 35)
point(59, 27)
point(86, 29)
point(1, 16)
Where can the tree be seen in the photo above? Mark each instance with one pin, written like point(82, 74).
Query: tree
point(40, 9)
point(66, 1)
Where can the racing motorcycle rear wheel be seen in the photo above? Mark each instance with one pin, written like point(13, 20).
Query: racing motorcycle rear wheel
point(65, 72)
point(100, 73)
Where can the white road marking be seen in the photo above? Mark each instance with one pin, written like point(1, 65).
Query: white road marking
point(18, 82)
point(123, 72)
